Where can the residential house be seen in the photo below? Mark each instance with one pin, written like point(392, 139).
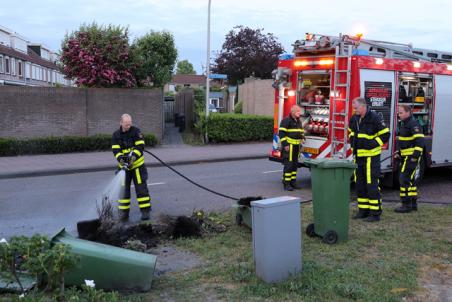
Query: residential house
point(218, 95)
point(23, 63)
point(185, 80)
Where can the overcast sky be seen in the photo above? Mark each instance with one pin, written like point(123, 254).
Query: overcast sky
point(426, 24)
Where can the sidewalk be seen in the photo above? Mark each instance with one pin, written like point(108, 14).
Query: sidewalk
point(41, 165)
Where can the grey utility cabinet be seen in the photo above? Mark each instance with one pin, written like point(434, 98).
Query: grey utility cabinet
point(276, 238)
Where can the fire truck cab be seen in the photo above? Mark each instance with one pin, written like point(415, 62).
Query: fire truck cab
point(325, 73)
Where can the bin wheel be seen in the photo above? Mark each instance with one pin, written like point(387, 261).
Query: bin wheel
point(310, 230)
point(330, 237)
point(238, 219)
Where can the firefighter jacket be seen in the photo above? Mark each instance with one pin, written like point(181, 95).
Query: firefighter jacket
point(411, 139)
point(367, 134)
point(291, 131)
point(128, 144)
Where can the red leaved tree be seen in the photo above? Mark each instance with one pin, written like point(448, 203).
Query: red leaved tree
point(98, 56)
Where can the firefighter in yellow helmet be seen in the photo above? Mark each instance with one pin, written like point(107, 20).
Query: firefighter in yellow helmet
point(128, 146)
point(367, 134)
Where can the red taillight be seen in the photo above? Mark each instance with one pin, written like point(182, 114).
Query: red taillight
point(276, 153)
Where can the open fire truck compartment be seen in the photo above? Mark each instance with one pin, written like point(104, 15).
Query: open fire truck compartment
point(326, 73)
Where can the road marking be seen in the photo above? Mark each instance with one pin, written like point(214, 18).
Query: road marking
point(274, 171)
point(156, 183)
point(152, 184)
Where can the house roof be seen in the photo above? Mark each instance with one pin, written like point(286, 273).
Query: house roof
point(31, 56)
point(38, 60)
point(182, 79)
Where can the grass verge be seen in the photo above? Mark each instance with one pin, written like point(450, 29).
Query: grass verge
point(405, 257)
point(380, 262)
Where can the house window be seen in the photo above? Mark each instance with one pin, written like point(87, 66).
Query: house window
point(1, 65)
point(13, 66)
point(7, 65)
point(27, 70)
point(19, 69)
point(215, 102)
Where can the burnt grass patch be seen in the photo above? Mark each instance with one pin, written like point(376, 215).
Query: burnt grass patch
point(143, 236)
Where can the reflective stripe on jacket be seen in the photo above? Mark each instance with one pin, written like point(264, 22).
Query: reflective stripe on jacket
point(290, 131)
point(367, 134)
point(125, 143)
point(411, 139)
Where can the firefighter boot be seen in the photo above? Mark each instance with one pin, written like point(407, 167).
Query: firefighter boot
point(414, 203)
point(294, 185)
point(361, 214)
point(404, 208)
point(123, 215)
point(287, 187)
point(146, 213)
point(372, 218)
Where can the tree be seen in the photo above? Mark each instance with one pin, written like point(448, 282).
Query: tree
point(98, 56)
point(247, 52)
point(185, 67)
point(155, 54)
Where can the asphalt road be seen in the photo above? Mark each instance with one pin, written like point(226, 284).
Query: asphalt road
point(47, 204)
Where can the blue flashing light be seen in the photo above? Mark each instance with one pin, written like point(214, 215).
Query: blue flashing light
point(360, 52)
point(286, 56)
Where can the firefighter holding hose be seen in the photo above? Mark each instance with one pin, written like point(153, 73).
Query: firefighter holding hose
point(291, 135)
point(128, 146)
point(367, 134)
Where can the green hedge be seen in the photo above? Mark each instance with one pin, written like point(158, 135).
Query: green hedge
point(229, 127)
point(64, 144)
point(238, 107)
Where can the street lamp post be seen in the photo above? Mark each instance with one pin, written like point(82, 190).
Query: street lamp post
point(208, 68)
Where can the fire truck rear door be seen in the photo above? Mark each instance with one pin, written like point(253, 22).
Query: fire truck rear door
point(442, 135)
point(377, 87)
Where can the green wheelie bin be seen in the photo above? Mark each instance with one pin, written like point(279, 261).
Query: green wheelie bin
point(110, 267)
point(330, 179)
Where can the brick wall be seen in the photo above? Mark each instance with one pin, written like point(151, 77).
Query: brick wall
point(46, 111)
point(257, 96)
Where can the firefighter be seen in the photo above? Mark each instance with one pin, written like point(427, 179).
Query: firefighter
point(367, 133)
point(291, 136)
point(127, 147)
point(410, 148)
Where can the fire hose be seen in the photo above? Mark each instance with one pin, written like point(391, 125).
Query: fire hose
point(235, 198)
point(197, 184)
point(189, 180)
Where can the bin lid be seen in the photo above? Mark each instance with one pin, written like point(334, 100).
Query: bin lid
point(274, 202)
point(330, 163)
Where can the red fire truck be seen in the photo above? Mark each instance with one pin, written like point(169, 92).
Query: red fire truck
point(326, 72)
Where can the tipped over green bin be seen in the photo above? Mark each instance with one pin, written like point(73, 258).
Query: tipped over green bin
point(243, 215)
point(330, 179)
point(110, 267)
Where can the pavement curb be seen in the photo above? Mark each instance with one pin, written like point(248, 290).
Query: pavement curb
point(63, 171)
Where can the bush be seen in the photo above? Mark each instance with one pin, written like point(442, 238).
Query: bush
point(238, 108)
point(64, 144)
point(200, 100)
point(35, 257)
point(229, 127)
